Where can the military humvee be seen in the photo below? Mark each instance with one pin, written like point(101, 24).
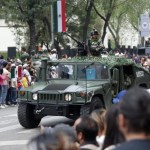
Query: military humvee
point(77, 86)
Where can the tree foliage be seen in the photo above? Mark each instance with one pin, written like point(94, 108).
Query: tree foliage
point(82, 16)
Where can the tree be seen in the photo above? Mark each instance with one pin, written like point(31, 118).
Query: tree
point(26, 12)
point(107, 7)
point(116, 23)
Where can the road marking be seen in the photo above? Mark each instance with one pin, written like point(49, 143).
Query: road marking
point(7, 121)
point(9, 128)
point(28, 131)
point(13, 115)
point(17, 142)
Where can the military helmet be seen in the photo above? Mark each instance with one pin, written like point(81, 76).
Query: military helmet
point(94, 32)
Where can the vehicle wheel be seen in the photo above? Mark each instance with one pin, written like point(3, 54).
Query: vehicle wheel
point(96, 103)
point(27, 117)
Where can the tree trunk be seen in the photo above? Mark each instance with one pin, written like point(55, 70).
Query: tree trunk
point(87, 19)
point(32, 44)
point(48, 24)
point(105, 26)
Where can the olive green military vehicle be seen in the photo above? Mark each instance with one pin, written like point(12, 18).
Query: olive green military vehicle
point(77, 86)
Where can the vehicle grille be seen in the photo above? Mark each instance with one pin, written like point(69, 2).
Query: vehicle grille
point(51, 98)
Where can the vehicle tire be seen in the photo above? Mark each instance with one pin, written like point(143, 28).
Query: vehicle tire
point(27, 117)
point(96, 103)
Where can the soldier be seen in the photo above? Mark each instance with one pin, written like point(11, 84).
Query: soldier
point(24, 54)
point(94, 43)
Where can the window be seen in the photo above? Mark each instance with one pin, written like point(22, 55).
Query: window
point(92, 72)
point(61, 71)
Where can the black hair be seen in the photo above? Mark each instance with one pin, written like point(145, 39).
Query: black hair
point(43, 142)
point(113, 135)
point(61, 137)
point(5, 64)
point(1, 70)
point(65, 129)
point(23, 49)
point(88, 127)
point(28, 58)
point(135, 106)
point(1, 57)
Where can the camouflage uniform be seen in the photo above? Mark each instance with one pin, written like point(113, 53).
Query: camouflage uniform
point(94, 44)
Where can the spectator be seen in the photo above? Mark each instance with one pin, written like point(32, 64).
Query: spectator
point(14, 86)
point(119, 96)
point(43, 142)
point(2, 78)
point(8, 96)
point(24, 54)
point(64, 57)
point(99, 116)
point(26, 73)
point(24, 81)
point(134, 119)
point(61, 137)
point(87, 130)
point(113, 136)
point(54, 55)
point(6, 73)
point(67, 135)
point(2, 60)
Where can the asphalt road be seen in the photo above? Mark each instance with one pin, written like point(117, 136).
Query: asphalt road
point(13, 136)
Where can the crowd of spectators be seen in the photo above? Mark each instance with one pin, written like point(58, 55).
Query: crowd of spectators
point(143, 60)
point(123, 126)
point(14, 75)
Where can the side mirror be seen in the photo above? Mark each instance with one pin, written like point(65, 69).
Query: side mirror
point(115, 77)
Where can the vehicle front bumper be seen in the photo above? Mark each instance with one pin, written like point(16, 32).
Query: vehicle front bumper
point(70, 111)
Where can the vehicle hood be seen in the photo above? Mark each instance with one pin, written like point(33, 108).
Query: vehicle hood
point(74, 87)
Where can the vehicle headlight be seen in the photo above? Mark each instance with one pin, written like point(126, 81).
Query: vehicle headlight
point(34, 96)
point(68, 97)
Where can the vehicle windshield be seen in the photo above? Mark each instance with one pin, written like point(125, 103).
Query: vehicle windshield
point(60, 71)
point(92, 72)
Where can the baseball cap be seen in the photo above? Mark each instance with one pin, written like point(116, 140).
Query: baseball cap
point(25, 65)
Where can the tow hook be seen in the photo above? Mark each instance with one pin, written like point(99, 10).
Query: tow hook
point(39, 110)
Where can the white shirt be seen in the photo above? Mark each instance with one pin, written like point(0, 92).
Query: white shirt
point(100, 139)
point(26, 72)
point(14, 82)
point(54, 56)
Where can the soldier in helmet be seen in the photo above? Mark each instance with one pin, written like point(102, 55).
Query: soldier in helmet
point(94, 43)
point(24, 54)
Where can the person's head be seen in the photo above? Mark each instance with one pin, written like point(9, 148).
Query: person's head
point(86, 128)
point(5, 64)
point(94, 34)
point(25, 66)
point(112, 135)
point(99, 116)
point(1, 57)
point(64, 135)
point(67, 130)
point(23, 49)
point(53, 51)
point(134, 117)
point(43, 142)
